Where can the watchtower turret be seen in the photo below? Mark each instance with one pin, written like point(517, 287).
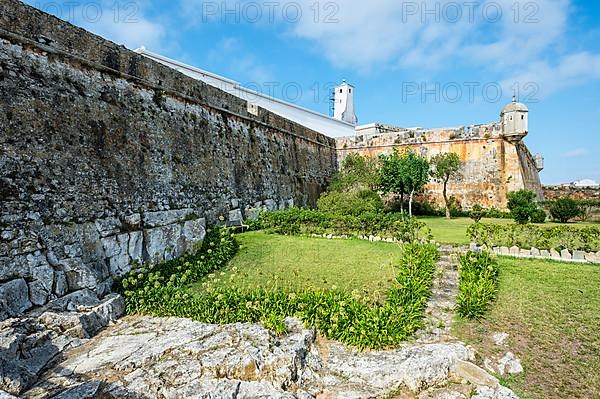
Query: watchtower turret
point(515, 121)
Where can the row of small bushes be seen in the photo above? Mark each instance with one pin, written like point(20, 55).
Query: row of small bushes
point(527, 236)
point(299, 221)
point(163, 290)
point(478, 284)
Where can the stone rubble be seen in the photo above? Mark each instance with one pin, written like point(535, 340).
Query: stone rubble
point(145, 357)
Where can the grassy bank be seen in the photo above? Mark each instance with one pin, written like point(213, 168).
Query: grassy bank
point(552, 312)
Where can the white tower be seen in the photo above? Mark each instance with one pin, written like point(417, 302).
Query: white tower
point(343, 108)
point(515, 120)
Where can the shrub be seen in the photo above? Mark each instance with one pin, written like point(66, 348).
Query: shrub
point(161, 290)
point(296, 221)
point(564, 209)
point(538, 216)
point(526, 236)
point(350, 203)
point(478, 284)
point(522, 205)
point(476, 213)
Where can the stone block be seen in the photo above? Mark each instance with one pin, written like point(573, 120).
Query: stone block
point(504, 251)
point(535, 252)
point(544, 253)
point(525, 253)
point(591, 257)
point(133, 220)
point(579, 255)
point(79, 274)
point(161, 243)
point(554, 253)
point(235, 203)
point(164, 218)
point(235, 217)
point(565, 254)
point(515, 251)
point(60, 283)
point(271, 205)
point(14, 298)
point(108, 226)
point(136, 247)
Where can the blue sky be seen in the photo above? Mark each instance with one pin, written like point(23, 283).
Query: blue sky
point(391, 50)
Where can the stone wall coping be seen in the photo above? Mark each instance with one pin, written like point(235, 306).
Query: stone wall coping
point(534, 253)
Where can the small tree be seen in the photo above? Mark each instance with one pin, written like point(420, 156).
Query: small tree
point(476, 213)
point(522, 205)
point(565, 209)
point(445, 166)
point(402, 173)
point(415, 175)
point(390, 176)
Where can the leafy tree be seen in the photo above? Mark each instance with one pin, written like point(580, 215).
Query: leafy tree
point(445, 167)
point(350, 203)
point(357, 172)
point(415, 175)
point(522, 205)
point(564, 209)
point(403, 173)
point(390, 176)
point(476, 213)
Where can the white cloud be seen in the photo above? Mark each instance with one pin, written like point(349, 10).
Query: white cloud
point(241, 65)
point(578, 152)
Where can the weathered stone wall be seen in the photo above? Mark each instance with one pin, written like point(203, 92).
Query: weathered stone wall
point(108, 159)
point(491, 166)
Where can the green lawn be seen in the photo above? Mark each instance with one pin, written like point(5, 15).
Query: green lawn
point(552, 312)
point(297, 263)
point(454, 231)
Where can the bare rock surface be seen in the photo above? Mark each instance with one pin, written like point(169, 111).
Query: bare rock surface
point(145, 357)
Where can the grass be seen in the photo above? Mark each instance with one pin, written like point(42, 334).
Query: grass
point(552, 312)
point(295, 263)
point(454, 231)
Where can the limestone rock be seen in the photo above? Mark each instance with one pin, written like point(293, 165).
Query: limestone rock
point(500, 338)
point(164, 218)
point(566, 255)
point(509, 364)
point(498, 392)
point(554, 253)
point(579, 255)
point(14, 298)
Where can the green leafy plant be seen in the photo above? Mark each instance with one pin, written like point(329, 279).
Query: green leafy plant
point(476, 213)
point(478, 284)
point(444, 167)
point(522, 205)
point(350, 203)
point(565, 209)
point(403, 173)
point(162, 290)
point(526, 236)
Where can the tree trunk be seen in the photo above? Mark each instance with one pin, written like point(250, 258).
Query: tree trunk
point(412, 192)
point(402, 203)
point(446, 198)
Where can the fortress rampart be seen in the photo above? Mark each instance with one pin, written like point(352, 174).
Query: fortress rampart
point(492, 165)
point(110, 159)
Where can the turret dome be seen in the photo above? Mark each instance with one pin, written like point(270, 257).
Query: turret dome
point(515, 106)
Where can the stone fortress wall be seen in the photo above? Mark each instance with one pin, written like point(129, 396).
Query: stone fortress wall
point(492, 165)
point(109, 158)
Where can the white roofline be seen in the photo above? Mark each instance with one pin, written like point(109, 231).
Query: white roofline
point(142, 50)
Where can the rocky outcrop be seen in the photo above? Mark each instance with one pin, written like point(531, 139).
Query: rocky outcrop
point(175, 358)
point(28, 345)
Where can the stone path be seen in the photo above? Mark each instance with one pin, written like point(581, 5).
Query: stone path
point(442, 304)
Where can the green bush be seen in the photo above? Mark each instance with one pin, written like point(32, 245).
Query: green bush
point(162, 290)
point(564, 209)
point(296, 221)
point(350, 203)
point(522, 205)
point(538, 216)
point(478, 284)
point(476, 213)
point(527, 236)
